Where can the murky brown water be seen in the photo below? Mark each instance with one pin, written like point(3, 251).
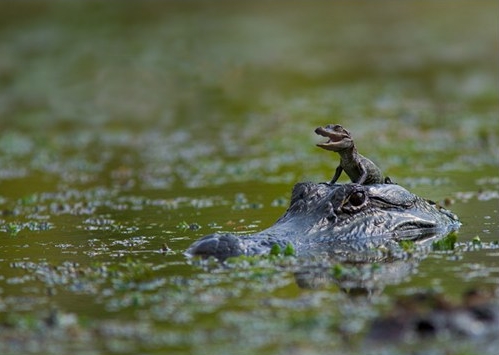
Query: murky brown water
point(128, 131)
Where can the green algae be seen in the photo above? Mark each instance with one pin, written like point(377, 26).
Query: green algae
point(446, 243)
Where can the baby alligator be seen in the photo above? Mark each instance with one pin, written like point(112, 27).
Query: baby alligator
point(360, 169)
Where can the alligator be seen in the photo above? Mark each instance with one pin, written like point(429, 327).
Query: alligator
point(358, 168)
point(338, 220)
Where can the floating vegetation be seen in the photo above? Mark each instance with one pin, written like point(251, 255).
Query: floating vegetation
point(485, 195)
point(276, 257)
point(13, 228)
point(242, 203)
point(280, 202)
point(275, 250)
point(94, 279)
point(445, 244)
point(407, 245)
point(188, 226)
point(288, 250)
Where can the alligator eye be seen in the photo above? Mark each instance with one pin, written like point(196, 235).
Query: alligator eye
point(356, 199)
point(354, 202)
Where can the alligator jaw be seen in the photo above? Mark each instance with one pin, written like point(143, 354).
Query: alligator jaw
point(416, 228)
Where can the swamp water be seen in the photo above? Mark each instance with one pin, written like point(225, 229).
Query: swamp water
point(127, 132)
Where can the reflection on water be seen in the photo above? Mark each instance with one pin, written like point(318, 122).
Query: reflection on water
point(129, 130)
point(357, 278)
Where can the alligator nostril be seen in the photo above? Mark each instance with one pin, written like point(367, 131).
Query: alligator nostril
point(331, 217)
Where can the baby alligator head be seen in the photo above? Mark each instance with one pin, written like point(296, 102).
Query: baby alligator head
point(338, 138)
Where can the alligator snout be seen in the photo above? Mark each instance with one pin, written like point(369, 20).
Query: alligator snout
point(222, 246)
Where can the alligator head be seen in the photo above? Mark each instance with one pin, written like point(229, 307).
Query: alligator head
point(338, 219)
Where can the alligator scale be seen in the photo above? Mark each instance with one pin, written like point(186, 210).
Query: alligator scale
point(333, 219)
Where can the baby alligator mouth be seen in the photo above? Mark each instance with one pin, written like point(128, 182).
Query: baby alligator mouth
point(334, 137)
